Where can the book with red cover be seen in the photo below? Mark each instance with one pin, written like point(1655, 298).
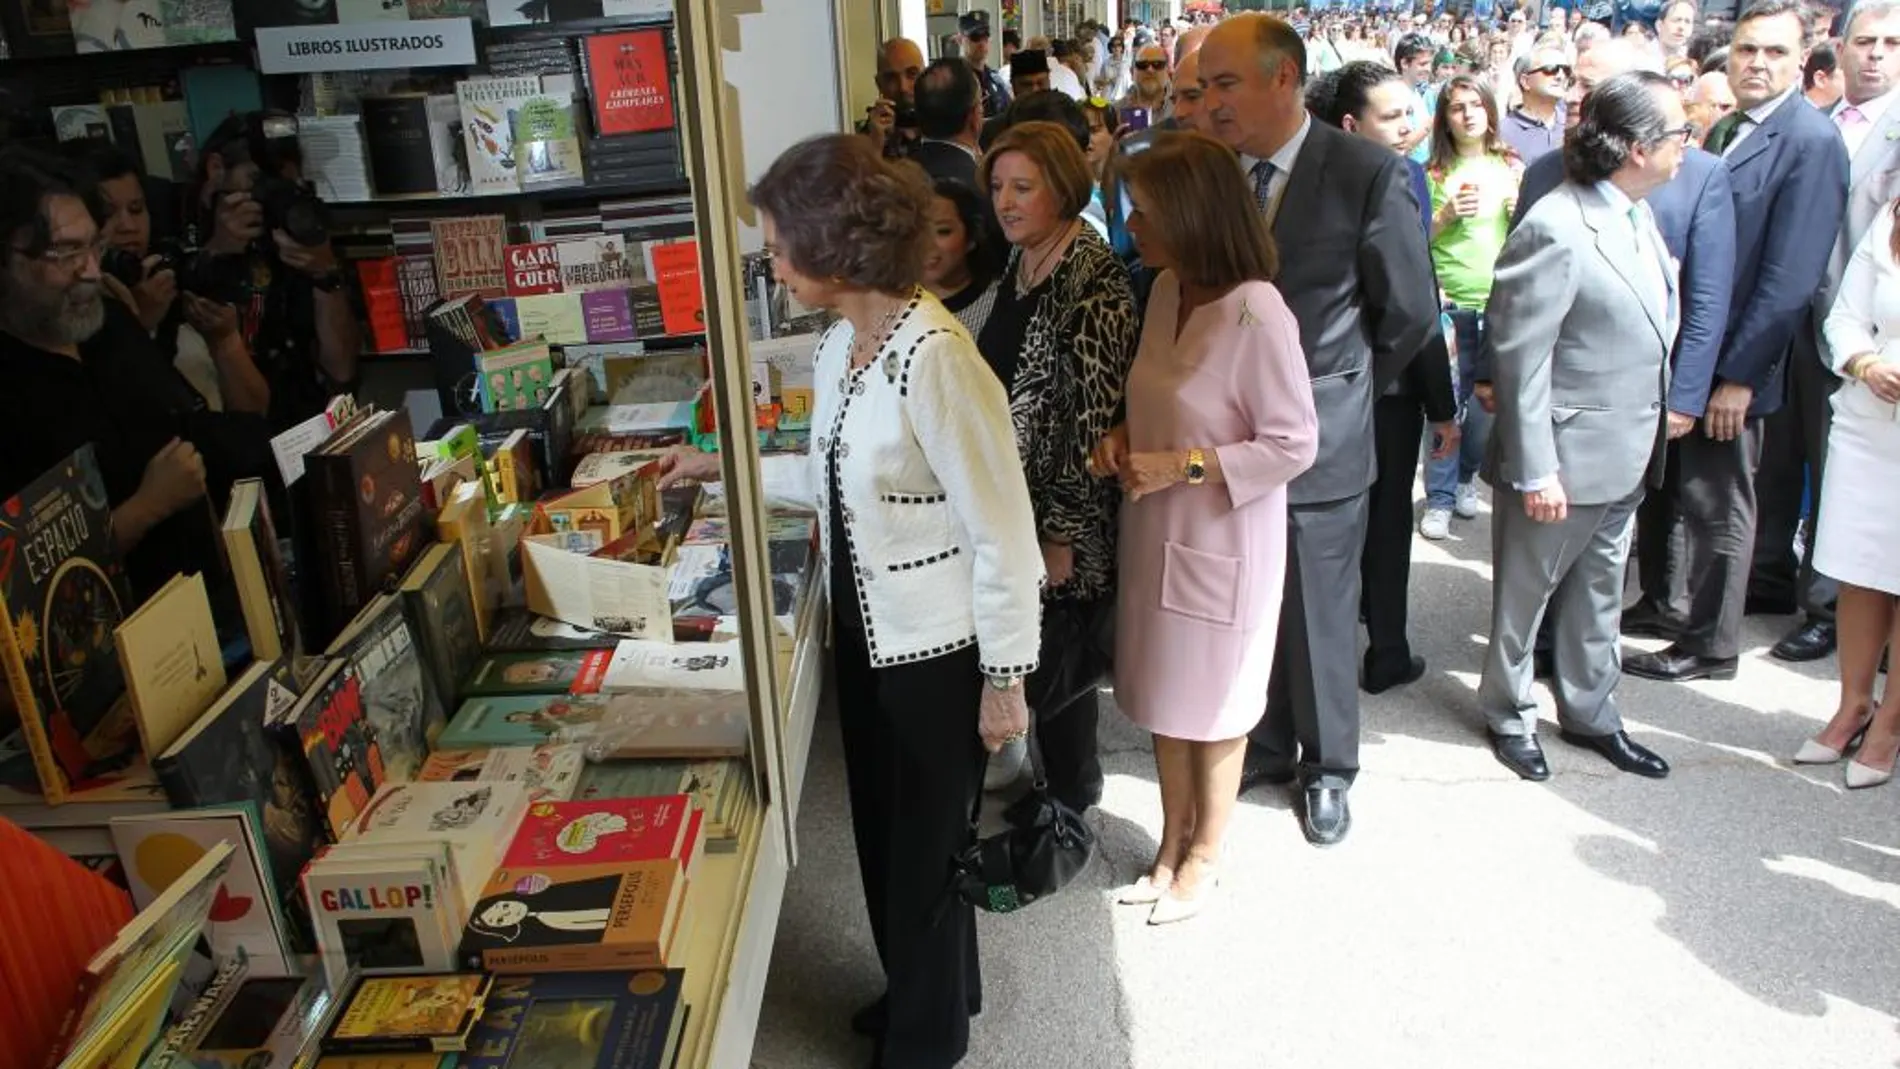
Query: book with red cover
point(632, 88)
point(383, 304)
point(603, 831)
point(469, 255)
point(533, 268)
point(682, 302)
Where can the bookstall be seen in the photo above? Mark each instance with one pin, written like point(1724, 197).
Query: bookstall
point(482, 669)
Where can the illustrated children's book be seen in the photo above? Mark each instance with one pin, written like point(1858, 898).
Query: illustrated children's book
point(592, 1020)
point(409, 1013)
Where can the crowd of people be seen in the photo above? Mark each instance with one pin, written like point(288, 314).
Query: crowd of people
point(1160, 328)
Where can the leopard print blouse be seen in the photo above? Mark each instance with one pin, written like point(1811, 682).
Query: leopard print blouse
point(1067, 394)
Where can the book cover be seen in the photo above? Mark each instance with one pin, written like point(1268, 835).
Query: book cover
point(246, 919)
point(417, 287)
point(523, 720)
point(162, 127)
point(517, 378)
point(371, 10)
point(81, 122)
point(632, 89)
point(608, 315)
point(62, 596)
point(488, 108)
point(718, 788)
point(401, 151)
point(117, 25)
point(541, 12)
point(270, 1022)
point(197, 22)
point(339, 745)
point(214, 93)
point(37, 28)
point(469, 255)
point(229, 757)
point(385, 909)
point(519, 630)
point(556, 318)
point(382, 304)
point(547, 151)
point(258, 571)
point(533, 268)
point(649, 319)
point(173, 666)
point(601, 831)
point(399, 700)
point(573, 918)
point(676, 272)
point(599, 262)
point(549, 773)
point(595, 1020)
point(504, 674)
point(368, 490)
point(478, 816)
point(645, 665)
point(441, 609)
point(507, 318)
point(409, 1013)
point(446, 146)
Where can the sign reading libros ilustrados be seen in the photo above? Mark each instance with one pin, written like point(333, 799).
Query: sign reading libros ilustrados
point(365, 46)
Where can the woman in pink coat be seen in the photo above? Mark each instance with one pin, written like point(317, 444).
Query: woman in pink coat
point(1220, 419)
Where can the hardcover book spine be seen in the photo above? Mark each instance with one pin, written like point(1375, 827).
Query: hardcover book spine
point(339, 519)
point(27, 705)
point(528, 960)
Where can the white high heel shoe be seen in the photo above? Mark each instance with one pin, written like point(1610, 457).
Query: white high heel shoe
point(1172, 908)
point(1861, 776)
point(1143, 892)
point(1814, 752)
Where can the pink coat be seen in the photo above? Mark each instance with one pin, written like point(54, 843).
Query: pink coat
point(1203, 567)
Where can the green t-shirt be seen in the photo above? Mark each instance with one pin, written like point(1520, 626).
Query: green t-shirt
point(1466, 251)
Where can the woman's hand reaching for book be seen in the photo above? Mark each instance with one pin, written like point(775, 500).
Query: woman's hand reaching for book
point(688, 466)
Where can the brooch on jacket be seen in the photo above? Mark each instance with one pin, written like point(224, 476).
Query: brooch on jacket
point(1247, 318)
point(890, 368)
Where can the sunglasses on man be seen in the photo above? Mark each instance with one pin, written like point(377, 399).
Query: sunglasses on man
point(1150, 65)
point(1554, 70)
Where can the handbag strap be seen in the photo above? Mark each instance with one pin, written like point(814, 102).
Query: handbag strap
point(1039, 777)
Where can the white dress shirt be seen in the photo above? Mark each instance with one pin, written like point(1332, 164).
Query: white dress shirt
point(1755, 117)
point(1854, 130)
point(1283, 162)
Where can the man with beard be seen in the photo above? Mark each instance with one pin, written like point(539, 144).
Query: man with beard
point(80, 369)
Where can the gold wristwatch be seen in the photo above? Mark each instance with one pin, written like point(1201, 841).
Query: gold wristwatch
point(1196, 467)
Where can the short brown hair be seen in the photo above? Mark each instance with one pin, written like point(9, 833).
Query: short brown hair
point(1195, 195)
point(845, 213)
point(1052, 148)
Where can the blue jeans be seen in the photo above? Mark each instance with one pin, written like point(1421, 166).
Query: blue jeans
point(1444, 477)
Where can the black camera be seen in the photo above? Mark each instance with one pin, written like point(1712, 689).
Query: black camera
point(269, 140)
point(129, 268)
point(293, 208)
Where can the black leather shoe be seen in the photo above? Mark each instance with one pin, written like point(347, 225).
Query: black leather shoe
point(1758, 605)
point(1259, 768)
point(870, 1020)
point(1381, 681)
point(1672, 665)
point(1809, 642)
point(1622, 751)
point(1640, 621)
point(1522, 755)
point(1325, 818)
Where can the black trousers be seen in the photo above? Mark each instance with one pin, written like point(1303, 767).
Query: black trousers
point(1385, 570)
point(1716, 500)
point(1071, 751)
point(914, 765)
point(1794, 458)
point(1660, 548)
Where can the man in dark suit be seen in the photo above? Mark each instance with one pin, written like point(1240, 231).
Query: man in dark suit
point(1695, 214)
point(949, 120)
point(1788, 174)
point(1362, 293)
point(1794, 440)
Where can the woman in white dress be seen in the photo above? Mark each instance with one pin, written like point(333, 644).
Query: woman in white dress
point(1860, 506)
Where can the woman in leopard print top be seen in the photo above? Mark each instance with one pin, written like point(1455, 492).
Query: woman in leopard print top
point(1061, 336)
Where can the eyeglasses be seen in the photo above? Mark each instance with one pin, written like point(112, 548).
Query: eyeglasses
point(68, 256)
point(1681, 133)
point(1151, 65)
point(1555, 70)
point(1683, 80)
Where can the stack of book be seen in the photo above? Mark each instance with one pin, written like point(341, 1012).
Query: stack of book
point(334, 161)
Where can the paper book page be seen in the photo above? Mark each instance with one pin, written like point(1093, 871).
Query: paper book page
point(604, 595)
point(289, 447)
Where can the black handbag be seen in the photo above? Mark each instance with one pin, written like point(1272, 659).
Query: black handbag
point(1046, 844)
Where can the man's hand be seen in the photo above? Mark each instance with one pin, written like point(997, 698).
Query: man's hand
point(153, 297)
point(1884, 380)
point(174, 478)
point(1680, 425)
point(1728, 411)
point(1486, 395)
point(1445, 438)
point(239, 222)
point(313, 260)
point(1548, 505)
point(217, 321)
point(879, 120)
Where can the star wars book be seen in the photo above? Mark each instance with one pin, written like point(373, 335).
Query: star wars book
point(62, 595)
point(409, 1013)
point(591, 1020)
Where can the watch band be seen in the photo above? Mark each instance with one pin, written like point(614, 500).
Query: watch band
point(1196, 467)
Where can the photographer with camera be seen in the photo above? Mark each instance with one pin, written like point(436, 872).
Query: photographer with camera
point(891, 123)
point(198, 337)
point(267, 253)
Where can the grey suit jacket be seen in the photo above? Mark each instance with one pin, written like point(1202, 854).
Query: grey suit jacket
point(1873, 180)
point(1581, 356)
point(1357, 274)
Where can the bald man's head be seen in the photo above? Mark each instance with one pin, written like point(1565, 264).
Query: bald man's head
point(1185, 104)
point(1615, 56)
point(1189, 43)
point(899, 63)
point(1710, 101)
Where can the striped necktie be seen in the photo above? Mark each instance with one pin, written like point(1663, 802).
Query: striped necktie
point(1263, 173)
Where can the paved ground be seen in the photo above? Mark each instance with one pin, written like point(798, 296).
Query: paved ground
point(1742, 913)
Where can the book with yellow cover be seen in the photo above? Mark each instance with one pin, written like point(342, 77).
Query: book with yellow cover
point(173, 667)
point(410, 1013)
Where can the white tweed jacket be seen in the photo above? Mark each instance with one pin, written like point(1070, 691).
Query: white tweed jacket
point(940, 530)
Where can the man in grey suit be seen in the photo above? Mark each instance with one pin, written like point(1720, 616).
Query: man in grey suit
point(1796, 437)
point(1358, 278)
point(1583, 314)
point(1788, 173)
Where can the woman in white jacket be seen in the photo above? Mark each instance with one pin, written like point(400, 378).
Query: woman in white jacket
point(932, 557)
point(1860, 507)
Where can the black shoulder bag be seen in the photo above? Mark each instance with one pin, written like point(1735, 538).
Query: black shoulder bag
point(1036, 857)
